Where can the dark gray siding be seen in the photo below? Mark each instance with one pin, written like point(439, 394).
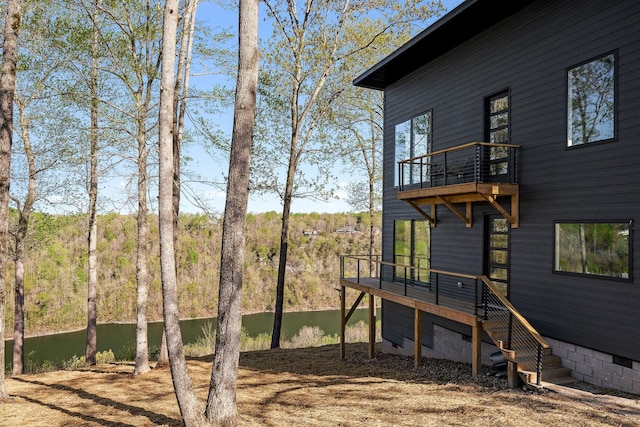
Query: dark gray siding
point(529, 54)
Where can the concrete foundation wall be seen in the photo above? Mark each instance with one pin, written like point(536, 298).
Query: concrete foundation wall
point(586, 365)
point(595, 367)
point(447, 344)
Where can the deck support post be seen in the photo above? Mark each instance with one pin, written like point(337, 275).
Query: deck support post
point(417, 337)
point(372, 325)
point(343, 321)
point(476, 349)
point(512, 368)
point(512, 374)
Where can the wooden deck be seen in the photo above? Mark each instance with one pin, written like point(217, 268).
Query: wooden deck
point(416, 297)
point(422, 300)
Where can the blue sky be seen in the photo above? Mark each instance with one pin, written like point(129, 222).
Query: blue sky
point(214, 169)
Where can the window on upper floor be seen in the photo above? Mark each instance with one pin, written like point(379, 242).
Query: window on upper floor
point(591, 101)
point(497, 132)
point(594, 248)
point(412, 139)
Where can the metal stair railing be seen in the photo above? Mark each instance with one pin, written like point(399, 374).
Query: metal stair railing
point(513, 330)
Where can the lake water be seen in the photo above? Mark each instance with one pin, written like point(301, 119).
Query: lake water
point(118, 337)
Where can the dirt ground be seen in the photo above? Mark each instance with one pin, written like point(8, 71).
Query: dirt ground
point(310, 387)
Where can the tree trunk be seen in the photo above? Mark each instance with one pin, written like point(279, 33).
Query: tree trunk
point(92, 280)
point(284, 242)
point(7, 89)
point(21, 236)
point(142, 291)
point(189, 409)
point(282, 269)
point(163, 355)
point(18, 323)
point(179, 108)
point(221, 403)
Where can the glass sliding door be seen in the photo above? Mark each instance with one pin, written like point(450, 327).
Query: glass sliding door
point(412, 245)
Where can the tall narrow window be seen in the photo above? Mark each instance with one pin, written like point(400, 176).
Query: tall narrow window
point(591, 101)
point(497, 126)
point(412, 139)
point(497, 252)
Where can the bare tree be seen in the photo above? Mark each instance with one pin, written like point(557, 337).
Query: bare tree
point(133, 55)
point(24, 213)
point(221, 404)
point(180, 96)
point(92, 279)
point(36, 101)
point(362, 123)
point(7, 89)
point(187, 401)
point(314, 45)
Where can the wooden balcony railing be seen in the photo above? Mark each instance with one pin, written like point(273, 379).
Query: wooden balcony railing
point(459, 176)
point(475, 162)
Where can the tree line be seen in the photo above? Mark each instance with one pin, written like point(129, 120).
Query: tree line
point(56, 268)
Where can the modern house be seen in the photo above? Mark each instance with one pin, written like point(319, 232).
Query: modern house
point(511, 191)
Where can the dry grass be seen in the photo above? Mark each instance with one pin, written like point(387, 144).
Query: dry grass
point(305, 387)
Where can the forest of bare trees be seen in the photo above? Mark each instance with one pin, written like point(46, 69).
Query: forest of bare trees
point(103, 99)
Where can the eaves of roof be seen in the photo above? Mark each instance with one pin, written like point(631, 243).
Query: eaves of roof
point(461, 24)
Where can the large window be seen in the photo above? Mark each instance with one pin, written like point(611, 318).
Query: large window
point(594, 248)
point(591, 101)
point(412, 139)
point(412, 245)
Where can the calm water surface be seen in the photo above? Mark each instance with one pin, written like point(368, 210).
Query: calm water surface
point(120, 338)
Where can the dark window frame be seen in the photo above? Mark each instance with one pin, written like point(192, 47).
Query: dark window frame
point(496, 160)
point(487, 112)
point(615, 101)
point(628, 279)
point(410, 119)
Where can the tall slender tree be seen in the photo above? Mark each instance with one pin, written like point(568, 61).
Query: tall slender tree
point(180, 97)
point(12, 26)
point(314, 45)
point(35, 99)
point(130, 35)
point(91, 347)
point(361, 121)
point(187, 401)
point(221, 403)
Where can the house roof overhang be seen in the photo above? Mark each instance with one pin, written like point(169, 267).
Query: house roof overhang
point(461, 24)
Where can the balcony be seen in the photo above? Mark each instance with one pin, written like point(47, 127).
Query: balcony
point(459, 176)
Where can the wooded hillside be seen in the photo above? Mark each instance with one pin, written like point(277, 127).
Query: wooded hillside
point(56, 269)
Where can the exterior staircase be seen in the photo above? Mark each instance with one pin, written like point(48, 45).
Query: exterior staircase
point(527, 353)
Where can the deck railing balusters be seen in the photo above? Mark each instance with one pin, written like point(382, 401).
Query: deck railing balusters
point(503, 322)
point(539, 365)
point(429, 168)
